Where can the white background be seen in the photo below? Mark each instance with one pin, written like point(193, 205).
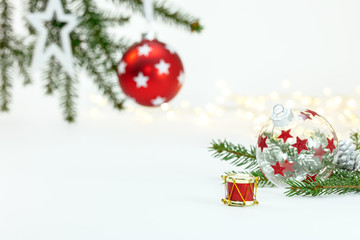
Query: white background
point(111, 176)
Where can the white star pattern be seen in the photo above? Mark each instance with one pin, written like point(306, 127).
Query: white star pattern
point(141, 80)
point(144, 50)
point(163, 67)
point(121, 67)
point(43, 53)
point(158, 101)
point(170, 49)
point(181, 78)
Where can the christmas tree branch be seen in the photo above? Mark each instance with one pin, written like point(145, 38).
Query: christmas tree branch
point(5, 83)
point(100, 78)
point(355, 137)
point(67, 96)
point(238, 155)
point(51, 75)
point(340, 182)
point(97, 35)
point(6, 58)
point(166, 14)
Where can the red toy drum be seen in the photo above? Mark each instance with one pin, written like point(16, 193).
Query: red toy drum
point(240, 189)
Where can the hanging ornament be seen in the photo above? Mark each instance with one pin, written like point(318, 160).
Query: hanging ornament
point(150, 72)
point(296, 144)
point(348, 156)
point(54, 13)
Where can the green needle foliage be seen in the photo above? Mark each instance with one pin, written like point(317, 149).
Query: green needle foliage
point(237, 155)
point(340, 181)
point(95, 50)
point(14, 55)
point(355, 137)
point(166, 14)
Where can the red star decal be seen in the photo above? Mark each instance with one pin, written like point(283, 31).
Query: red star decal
point(278, 169)
point(330, 145)
point(310, 178)
point(319, 152)
point(288, 166)
point(262, 143)
point(285, 135)
point(312, 112)
point(300, 145)
point(304, 116)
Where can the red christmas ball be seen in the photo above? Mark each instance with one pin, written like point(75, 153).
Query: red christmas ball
point(151, 73)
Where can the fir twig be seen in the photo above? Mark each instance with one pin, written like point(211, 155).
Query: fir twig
point(166, 14)
point(67, 97)
point(238, 155)
point(51, 75)
point(340, 182)
point(355, 137)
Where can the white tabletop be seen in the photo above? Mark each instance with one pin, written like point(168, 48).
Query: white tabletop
point(127, 180)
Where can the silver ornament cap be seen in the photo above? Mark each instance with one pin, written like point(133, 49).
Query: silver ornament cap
point(281, 115)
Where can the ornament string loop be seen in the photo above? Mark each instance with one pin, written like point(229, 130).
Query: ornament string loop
point(148, 13)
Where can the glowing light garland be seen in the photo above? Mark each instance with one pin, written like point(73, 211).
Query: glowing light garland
point(338, 110)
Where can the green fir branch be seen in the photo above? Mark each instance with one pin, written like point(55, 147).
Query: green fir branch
point(166, 14)
point(355, 137)
point(51, 75)
point(340, 182)
point(23, 59)
point(6, 57)
point(101, 78)
point(94, 49)
point(237, 155)
point(68, 94)
point(5, 82)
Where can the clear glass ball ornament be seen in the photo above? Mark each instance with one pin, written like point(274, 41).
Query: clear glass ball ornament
point(296, 144)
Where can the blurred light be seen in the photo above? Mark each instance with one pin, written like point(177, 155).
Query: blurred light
point(257, 128)
point(94, 113)
point(337, 100)
point(211, 108)
point(198, 110)
point(317, 101)
point(185, 104)
point(285, 84)
point(320, 111)
point(306, 101)
point(327, 91)
point(330, 103)
point(98, 99)
point(220, 84)
point(170, 115)
point(261, 107)
point(226, 92)
point(248, 102)
point(351, 103)
point(219, 112)
point(249, 115)
point(220, 100)
point(274, 95)
point(358, 90)
point(203, 118)
point(290, 103)
point(262, 118)
point(297, 95)
point(164, 106)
